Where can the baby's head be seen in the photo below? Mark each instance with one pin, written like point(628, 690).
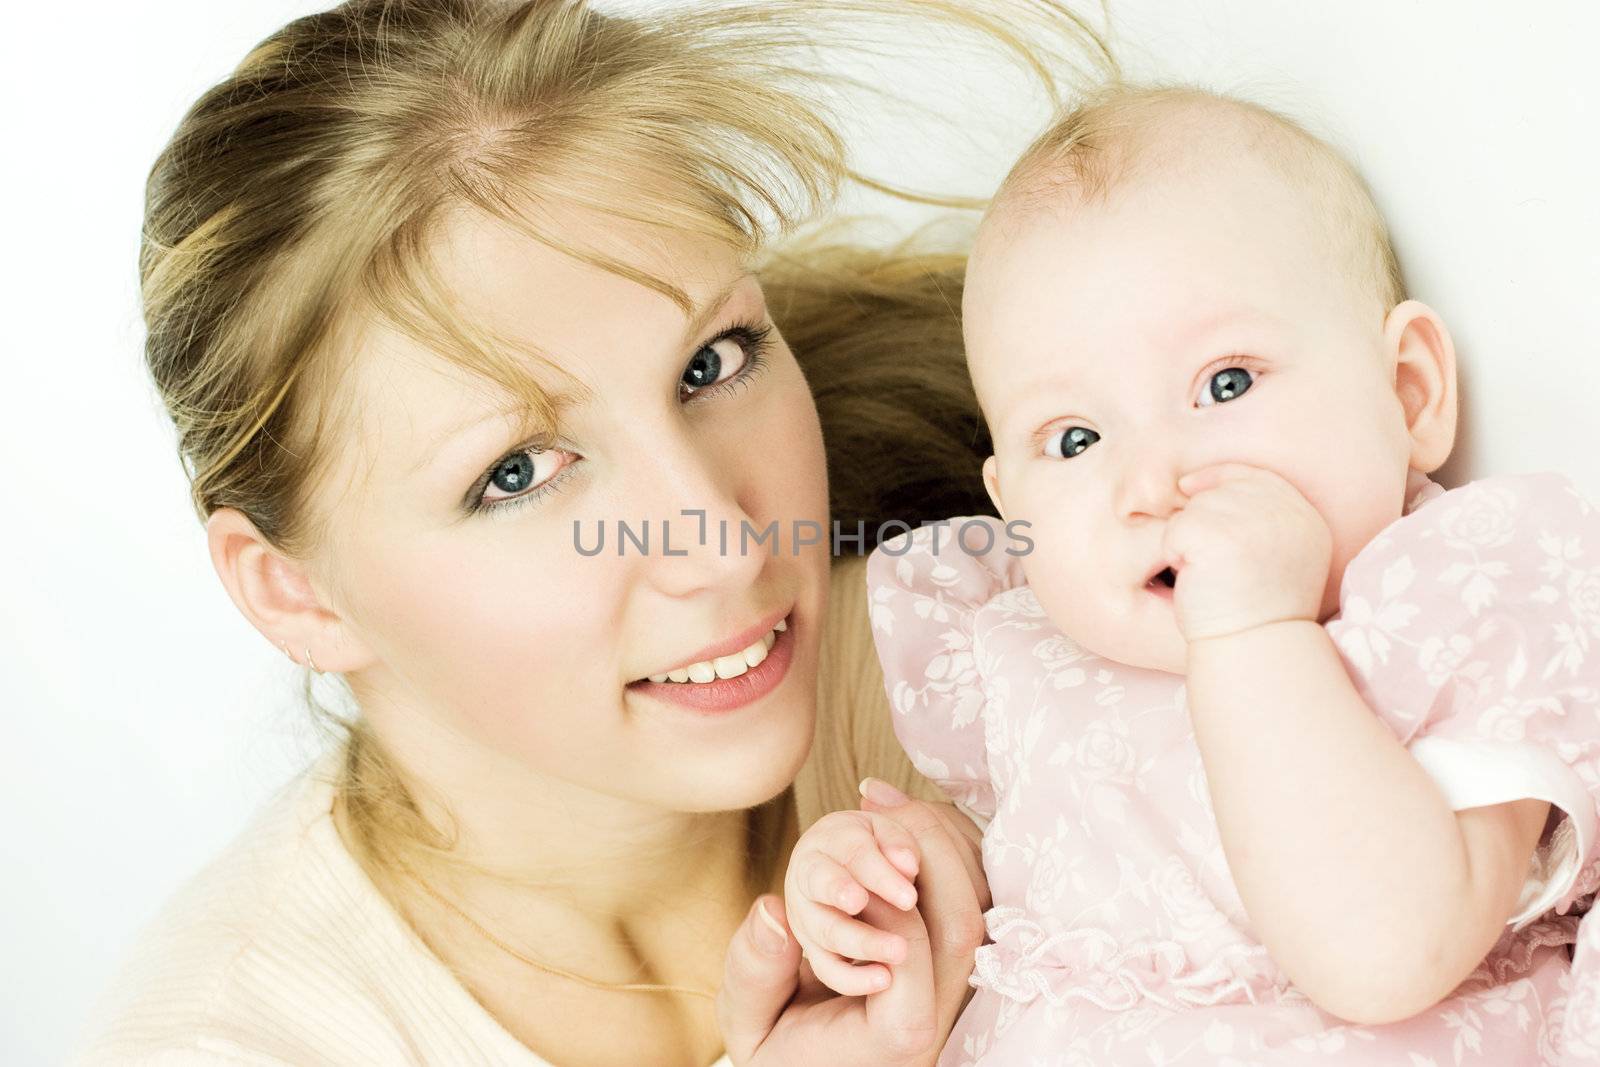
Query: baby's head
point(1167, 280)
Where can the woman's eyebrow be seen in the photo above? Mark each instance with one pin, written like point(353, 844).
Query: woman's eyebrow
point(708, 310)
point(559, 403)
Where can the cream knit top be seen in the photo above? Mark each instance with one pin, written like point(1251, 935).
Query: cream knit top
point(282, 951)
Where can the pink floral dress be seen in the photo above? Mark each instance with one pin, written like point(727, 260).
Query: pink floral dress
point(1471, 626)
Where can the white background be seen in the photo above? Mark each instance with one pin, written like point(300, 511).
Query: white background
point(144, 720)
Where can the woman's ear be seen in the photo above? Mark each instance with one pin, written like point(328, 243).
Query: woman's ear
point(991, 483)
point(1418, 346)
point(277, 595)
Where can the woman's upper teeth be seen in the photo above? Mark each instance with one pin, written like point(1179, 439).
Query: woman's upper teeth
point(730, 666)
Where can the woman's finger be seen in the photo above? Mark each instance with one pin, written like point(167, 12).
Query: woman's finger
point(760, 972)
point(948, 903)
point(968, 839)
point(905, 1020)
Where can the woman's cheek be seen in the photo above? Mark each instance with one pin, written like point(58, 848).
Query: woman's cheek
point(785, 438)
point(494, 631)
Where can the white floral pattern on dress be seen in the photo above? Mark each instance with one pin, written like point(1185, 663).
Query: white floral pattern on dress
point(1116, 935)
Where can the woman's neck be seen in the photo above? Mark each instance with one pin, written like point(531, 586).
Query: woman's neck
point(562, 871)
point(531, 958)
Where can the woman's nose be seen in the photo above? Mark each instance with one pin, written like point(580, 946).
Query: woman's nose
point(701, 534)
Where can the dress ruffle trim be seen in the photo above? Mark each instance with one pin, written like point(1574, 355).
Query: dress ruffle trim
point(1027, 962)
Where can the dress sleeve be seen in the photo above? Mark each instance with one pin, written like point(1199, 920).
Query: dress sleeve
point(924, 590)
point(1472, 628)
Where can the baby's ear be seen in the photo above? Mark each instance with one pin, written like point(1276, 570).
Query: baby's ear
point(991, 482)
point(1418, 347)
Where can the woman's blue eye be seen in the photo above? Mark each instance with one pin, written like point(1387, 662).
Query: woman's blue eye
point(1064, 444)
point(515, 474)
point(703, 369)
point(743, 343)
point(748, 341)
point(1227, 384)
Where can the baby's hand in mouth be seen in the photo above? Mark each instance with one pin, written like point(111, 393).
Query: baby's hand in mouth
point(1246, 549)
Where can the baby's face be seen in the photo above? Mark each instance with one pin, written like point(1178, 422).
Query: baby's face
point(1116, 348)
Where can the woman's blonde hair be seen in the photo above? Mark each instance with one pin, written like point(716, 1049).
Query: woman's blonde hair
point(305, 189)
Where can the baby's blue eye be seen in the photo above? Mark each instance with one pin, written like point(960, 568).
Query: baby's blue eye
point(1064, 444)
point(1227, 384)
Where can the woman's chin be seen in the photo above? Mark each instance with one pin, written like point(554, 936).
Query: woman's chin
point(739, 790)
point(749, 769)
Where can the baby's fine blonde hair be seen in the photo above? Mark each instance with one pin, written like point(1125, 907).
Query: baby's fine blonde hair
point(1123, 130)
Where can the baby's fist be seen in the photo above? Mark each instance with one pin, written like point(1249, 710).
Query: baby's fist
point(843, 857)
point(1248, 549)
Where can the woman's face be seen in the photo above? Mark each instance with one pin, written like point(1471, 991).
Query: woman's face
point(454, 560)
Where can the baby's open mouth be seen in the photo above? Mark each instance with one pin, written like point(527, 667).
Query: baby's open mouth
point(1165, 578)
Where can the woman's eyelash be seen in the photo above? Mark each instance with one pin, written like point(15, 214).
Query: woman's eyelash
point(754, 337)
point(756, 340)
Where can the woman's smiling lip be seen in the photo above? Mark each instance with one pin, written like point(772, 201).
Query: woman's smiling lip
point(738, 642)
point(723, 695)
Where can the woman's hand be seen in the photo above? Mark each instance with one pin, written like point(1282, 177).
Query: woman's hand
point(775, 1013)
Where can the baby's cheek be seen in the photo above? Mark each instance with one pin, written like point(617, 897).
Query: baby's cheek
point(1062, 583)
point(1055, 592)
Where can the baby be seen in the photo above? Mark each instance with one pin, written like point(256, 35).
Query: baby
point(1280, 752)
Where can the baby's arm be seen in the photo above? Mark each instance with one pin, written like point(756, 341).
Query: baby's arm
point(1374, 897)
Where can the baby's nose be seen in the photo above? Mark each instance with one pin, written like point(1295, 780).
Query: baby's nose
point(1149, 489)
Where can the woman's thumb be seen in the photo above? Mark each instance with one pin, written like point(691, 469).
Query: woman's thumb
point(760, 975)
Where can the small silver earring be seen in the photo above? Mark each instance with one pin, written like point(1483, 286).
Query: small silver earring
point(309, 661)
